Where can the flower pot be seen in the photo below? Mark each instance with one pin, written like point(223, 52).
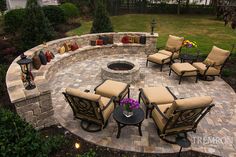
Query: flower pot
point(127, 113)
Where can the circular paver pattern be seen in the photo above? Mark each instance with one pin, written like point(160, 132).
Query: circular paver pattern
point(215, 134)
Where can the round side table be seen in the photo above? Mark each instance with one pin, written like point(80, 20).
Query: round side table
point(122, 120)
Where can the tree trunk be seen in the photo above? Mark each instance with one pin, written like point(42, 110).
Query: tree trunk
point(206, 2)
point(178, 8)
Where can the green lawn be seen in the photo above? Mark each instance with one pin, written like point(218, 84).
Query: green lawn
point(205, 30)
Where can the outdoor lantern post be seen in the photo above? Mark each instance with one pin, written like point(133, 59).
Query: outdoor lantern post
point(25, 64)
point(153, 25)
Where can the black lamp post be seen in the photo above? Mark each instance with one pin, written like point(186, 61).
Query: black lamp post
point(25, 64)
point(153, 25)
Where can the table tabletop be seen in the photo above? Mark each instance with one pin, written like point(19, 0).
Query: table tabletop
point(136, 118)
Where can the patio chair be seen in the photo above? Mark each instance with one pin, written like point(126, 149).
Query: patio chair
point(212, 66)
point(152, 96)
point(92, 109)
point(181, 116)
point(169, 54)
point(116, 89)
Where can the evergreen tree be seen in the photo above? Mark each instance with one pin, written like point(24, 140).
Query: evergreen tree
point(3, 6)
point(36, 27)
point(101, 22)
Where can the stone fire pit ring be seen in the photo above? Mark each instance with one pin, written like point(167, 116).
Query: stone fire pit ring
point(129, 75)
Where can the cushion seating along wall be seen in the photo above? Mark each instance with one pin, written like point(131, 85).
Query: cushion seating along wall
point(142, 39)
point(174, 42)
point(43, 58)
point(62, 50)
point(36, 62)
point(67, 47)
point(131, 39)
point(110, 39)
point(48, 56)
point(104, 38)
point(52, 55)
point(93, 42)
point(125, 39)
point(99, 42)
point(136, 39)
point(74, 46)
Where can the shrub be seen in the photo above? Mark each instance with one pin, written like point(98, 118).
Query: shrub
point(13, 20)
point(36, 28)
point(3, 70)
point(101, 22)
point(54, 14)
point(70, 10)
point(90, 153)
point(18, 138)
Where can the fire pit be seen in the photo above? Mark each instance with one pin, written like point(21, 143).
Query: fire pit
point(121, 70)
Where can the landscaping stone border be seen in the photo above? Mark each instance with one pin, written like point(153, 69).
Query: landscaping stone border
point(35, 106)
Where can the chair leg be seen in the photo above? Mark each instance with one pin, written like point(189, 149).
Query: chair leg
point(196, 78)
point(128, 93)
point(146, 63)
point(147, 109)
point(139, 97)
point(180, 79)
point(161, 67)
point(170, 72)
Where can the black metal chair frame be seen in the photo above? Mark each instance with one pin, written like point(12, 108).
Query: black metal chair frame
point(169, 58)
point(180, 122)
point(125, 92)
point(182, 75)
point(149, 106)
point(83, 108)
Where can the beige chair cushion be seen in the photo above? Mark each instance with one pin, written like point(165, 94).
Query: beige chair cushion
point(202, 67)
point(169, 53)
point(86, 95)
point(161, 122)
point(187, 68)
point(158, 57)
point(174, 42)
point(189, 103)
point(158, 95)
point(107, 112)
point(111, 88)
point(218, 55)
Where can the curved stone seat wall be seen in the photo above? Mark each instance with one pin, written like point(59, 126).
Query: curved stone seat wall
point(35, 106)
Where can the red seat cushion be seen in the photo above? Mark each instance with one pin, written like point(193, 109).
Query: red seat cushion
point(99, 42)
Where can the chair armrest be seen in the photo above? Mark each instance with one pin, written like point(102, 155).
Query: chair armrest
point(144, 96)
point(156, 107)
point(171, 93)
point(99, 85)
point(127, 87)
point(109, 103)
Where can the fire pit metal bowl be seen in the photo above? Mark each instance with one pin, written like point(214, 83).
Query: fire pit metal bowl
point(121, 70)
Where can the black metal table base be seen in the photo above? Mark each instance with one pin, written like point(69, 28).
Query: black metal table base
point(120, 126)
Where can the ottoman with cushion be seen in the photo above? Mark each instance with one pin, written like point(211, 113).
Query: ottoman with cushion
point(110, 88)
point(155, 96)
point(184, 70)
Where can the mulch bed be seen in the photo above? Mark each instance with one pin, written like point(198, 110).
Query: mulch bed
point(69, 150)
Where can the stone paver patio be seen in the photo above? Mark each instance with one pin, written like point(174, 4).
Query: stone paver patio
point(215, 134)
